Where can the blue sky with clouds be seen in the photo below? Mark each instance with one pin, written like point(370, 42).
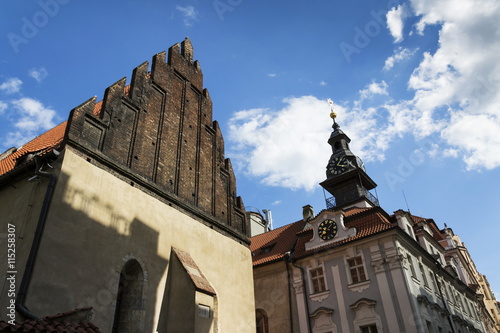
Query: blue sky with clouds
point(415, 85)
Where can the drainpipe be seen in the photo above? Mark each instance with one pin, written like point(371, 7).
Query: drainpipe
point(28, 271)
point(305, 295)
point(290, 308)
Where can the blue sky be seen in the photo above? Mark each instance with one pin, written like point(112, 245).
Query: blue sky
point(415, 85)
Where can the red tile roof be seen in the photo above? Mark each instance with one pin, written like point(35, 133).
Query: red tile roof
point(199, 280)
point(47, 141)
point(368, 222)
point(41, 144)
point(59, 323)
point(437, 234)
point(273, 245)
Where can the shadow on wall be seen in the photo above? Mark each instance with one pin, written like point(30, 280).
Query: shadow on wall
point(81, 262)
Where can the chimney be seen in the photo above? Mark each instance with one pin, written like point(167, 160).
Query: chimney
point(307, 213)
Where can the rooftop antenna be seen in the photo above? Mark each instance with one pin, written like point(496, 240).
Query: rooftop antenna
point(404, 196)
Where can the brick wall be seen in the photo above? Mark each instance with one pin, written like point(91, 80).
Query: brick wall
point(160, 130)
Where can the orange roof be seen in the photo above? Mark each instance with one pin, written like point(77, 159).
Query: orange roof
point(41, 144)
point(273, 245)
point(437, 234)
point(368, 222)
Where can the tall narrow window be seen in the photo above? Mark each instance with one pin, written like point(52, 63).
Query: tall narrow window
point(262, 321)
point(357, 270)
point(129, 312)
point(424, 276)
point(318, 280)
point(412, 268)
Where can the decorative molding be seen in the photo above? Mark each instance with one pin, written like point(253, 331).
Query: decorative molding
point(318, 297)
point(323, 320)
point(298, 287)
point(379, 265)
point(395, 261)
point(423, 300)
point(360, 286)
point(366, 314)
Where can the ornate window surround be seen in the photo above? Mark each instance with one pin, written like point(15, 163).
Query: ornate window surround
point(360, 285)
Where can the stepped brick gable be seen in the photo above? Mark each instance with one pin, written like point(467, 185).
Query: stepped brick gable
point(159, 132)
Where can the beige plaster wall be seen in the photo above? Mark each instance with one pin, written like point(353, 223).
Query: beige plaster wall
point(97, 222)
point(272, 296)
point(20, 204)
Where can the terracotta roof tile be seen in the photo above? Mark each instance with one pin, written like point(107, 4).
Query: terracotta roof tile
point(273, 245)
point(437, 234)
point(41, 144)
point(368, 222)
point(199, 280)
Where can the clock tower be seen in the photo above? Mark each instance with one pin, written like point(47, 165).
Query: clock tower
point(346, 177)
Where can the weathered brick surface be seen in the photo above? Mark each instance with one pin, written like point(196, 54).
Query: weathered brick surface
point(161, 129)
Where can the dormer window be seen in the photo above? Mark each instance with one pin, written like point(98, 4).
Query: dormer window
point(267, 249)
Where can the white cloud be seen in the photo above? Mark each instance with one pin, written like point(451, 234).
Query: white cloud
point(374, 88)
point(31, 119)
point(278, 146)
point(271, 74)
point(323, 83)
point(478, 136)
point(189, 13)
point(11, 85)
point(400, 54)
point(395, 24)
point(454, 103)
point(287, 147)
point(39, 74)
point(3, 107)
point(459, 84)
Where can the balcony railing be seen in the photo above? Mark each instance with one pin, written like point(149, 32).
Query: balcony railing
point(331, 202)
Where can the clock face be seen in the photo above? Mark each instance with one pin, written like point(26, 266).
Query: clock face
point(327, 229)
point(338, 165)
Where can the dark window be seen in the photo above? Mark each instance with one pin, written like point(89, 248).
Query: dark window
point(357, 270)
point(262, 322)
point(318, 280)
point(369, 329)
point(129, 312)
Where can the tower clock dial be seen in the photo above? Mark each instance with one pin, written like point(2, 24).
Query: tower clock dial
point(338, 165)
point(327, 229)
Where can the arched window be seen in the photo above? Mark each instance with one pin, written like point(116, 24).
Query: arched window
point(129, 312)
point(262, 321)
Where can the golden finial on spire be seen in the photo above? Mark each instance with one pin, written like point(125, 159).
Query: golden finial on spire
point(333, 115)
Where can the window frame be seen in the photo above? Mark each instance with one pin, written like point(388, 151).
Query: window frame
point(357, 268)
point(371, 328)
point(264, 320)
point(321, 279)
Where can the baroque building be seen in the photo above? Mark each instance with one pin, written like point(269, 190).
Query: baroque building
point(130, 208)
point(356, 268)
